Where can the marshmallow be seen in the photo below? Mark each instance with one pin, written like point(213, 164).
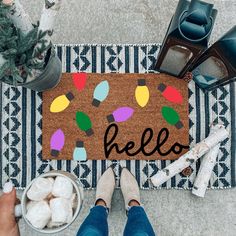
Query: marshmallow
point(30, 204)
point(39, 215)
point(70, 216)
point(54, 225)
point(74, 201)
point(40, 189)
point(61, 210)
point(62, 187)
point(18, 211)
point(51, 179)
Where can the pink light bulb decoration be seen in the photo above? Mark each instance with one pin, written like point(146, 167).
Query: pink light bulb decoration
point(57, 142)
point(120, 115)
point(170, 93)
point(79, 80)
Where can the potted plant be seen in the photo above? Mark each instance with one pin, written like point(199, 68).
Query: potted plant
point(27, 55)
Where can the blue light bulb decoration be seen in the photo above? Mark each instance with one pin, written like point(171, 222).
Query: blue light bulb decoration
point(80, 153)
point(100, 93)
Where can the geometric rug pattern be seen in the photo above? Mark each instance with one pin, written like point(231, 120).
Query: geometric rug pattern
point(21, 123)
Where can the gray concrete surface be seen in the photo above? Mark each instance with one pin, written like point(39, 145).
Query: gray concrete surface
point(172, 212)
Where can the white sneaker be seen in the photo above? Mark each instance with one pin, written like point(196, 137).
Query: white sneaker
point(129, 187)
point(105, 187)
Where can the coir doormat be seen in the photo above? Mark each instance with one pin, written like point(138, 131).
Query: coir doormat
point(116, 117)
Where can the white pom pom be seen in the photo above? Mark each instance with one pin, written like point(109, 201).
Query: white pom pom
point(40, 189)
point(62, 187)
point(39, 215)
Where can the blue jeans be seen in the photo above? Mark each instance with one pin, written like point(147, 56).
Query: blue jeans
point(96, 223)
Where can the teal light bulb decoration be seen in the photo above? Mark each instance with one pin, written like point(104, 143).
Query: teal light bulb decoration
point(80, 153)
point(100, 93)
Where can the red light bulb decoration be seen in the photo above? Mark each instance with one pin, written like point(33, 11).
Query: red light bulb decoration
point(79, 80)
point(170, 93)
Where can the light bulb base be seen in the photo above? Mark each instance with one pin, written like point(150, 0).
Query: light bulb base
point(79, 144)
point(89, 132)
point(70, 96)
point(110, 118)
point(161, 87)
point(141, 82)
point(81, 161)
point(54, 153)
point(179, 125)
point(96, 102)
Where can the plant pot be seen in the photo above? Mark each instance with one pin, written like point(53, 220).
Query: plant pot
point(50, 76)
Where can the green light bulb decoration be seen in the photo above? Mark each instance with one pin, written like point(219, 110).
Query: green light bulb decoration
point(84, 123)
point(171, 117)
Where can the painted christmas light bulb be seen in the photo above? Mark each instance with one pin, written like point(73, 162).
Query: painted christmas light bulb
point(84, 123)
point(80, 153)
point(60, 103)
point(79, 80)
point(57, 142)
point(170, 93)
point(100, 93)
point(171, 117)
point(142, 93)
point(120, 115)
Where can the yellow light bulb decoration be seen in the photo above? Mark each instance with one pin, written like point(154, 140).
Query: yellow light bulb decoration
point(142, 93)
point(61, 103)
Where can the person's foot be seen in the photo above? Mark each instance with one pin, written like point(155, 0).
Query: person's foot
point(105, 188)
point(129, 188)
point(8, 224)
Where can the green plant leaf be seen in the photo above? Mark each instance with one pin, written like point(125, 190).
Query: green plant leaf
point(22, 59)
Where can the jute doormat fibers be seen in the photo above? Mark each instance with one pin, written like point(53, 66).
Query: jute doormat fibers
point(147, 133)
point(21, 123)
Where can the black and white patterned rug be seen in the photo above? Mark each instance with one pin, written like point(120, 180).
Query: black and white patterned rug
point(21, 123)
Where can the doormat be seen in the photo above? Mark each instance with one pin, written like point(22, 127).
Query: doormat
point(116, 117)
point(21, 123)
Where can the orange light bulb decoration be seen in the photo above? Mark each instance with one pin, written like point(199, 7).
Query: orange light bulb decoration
point(79, 80)
point(170, 93)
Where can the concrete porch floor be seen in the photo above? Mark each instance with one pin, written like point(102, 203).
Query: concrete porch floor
point(172, 212)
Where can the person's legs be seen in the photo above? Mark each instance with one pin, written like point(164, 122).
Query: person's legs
point(138, 223)
point(96, 222)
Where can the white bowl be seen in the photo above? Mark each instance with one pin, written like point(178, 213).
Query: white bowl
point(77, 189)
